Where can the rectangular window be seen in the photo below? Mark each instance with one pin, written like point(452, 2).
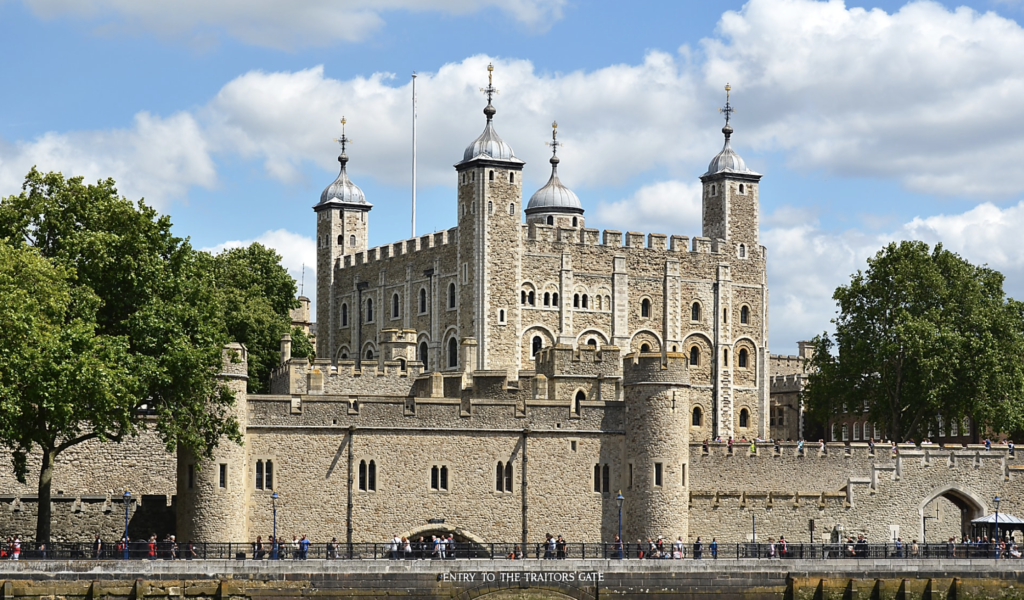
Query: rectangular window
point(597, 478)
point(572, 445)
point(371, 477)
point(259, 474)
point(444, 478)
point(657, 474)
point(605, 479)
point(435, 477)
point(269, 478)
point(223, 475)
point(684, 474)
point(191, 476)
point(630, 486)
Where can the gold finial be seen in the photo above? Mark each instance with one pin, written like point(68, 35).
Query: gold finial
point(727, 110)
point(344, 139)
point(554, 124)
point(490, 72)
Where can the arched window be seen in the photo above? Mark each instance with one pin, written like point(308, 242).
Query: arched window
point(725, 315)
point(501, 316)
point(490, 207)
point(259, 474)
point(547, 298)
point(712, 189)
point(744, 418)
point(531, 298)
point(725, 357)
point(499, 477)
point(369, 354)
point(402, 365)
point(742, 188)
point(645, 347)
point(592, 342)
point(694, 356)
point(856, 432)
point(352, 241)
point(574, 221)
point(580, 397)
point(536, 345)
point(511, 177)
point(341, 240)
point(394, 306)
point(576, 301)
point(741, 360)
point(422, 355)
point(584, 301)
point(554, 299)
point(512, 209)
point(698, 417)
point(745, 315)
point(834, 438)
point(606, 483)
point(522, 297)
point(508, 476)
point(453, 353)
point(451, 295)
point(369, 310)
point(597, 478)
point(362, 475)
point(371, 476)
point(491, 176)
point(597, 301)
point(846, 432)
point(645, 308)
point(695, 312)
point(743, 250)
point(268, 480)
point(551, 220)
point(423, 300)
point(344, 315)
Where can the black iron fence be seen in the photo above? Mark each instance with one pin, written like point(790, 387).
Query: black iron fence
point(460, 551)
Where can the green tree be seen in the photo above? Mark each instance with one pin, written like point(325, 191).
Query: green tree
point(257, 294)
point(155, 322)
point(921, 335)
point(302, 347)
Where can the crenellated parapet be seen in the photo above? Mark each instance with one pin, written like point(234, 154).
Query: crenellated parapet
point(422, 244)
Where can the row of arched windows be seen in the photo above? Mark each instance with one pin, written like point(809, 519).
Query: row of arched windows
point(396, 302)
point(697, 417)
point(503, 477)
point(551, 221)
point(264, 475)
point(367, 476)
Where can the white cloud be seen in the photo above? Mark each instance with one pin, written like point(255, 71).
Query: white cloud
point(296, 250)
point(276, 24)
point(926, 96)
point(665, 206)
point(158, 158)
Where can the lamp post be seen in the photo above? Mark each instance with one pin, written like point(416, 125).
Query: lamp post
point(619, 499)
point(273, 548)
point(996, 541)
point(127, 504)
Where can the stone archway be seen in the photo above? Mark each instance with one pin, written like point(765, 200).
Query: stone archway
point(469, 544)
point(971, 506)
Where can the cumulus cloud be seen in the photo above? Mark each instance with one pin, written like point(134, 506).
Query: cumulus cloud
point(297, 252)
point(927, 96)
point(277, 24)
point(665, 206)
point(157, 158)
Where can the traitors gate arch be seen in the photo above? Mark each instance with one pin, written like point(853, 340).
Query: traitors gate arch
point(970, 504)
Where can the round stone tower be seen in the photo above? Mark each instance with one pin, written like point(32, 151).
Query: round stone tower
point(657, 392)
point(212, 494)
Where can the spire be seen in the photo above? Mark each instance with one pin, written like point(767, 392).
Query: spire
point(554, 143)
point(491, 91)
point(727, 110)
point(343, 140)
point(554, 196)
point(343, 190)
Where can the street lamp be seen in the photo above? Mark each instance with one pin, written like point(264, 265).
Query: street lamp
point(619, 500)
point(127, 504)
point(996, 541)
point(273, 549)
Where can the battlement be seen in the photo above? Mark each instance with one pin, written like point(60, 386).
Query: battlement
point(793, 382)
point(672, 368)
point(611, 238)
point(421, 243)
point(563, 359)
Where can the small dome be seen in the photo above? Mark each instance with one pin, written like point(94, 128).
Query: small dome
point(554, 196)
point(727, 161)
point(489, 144)
point(343, 190)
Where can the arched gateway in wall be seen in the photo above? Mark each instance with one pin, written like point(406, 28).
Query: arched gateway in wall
point(971, 506)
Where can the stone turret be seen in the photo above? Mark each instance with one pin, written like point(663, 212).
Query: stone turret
point(212, 494)
point(657, 446)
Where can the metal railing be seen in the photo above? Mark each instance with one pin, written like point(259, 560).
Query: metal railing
point(503, 550)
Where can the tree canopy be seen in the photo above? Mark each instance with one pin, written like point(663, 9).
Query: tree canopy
point(120, 320)
point(921, 338)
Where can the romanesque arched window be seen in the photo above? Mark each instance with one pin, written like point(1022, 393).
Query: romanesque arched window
point(744, 418)
point(344, 315)
point(369, 354)
point(606, 482)
point(341, 240)
point(512, 209)
point(694, 356)
point(501, 316)
point(645, 308)
point(508, 476)
point(531, 298)
point(499, 477)
point(268, 479)
point(453, 353)
point(584, 299)
point(547, 298)
point(511, 177)
point(597, 478)
point(259, 474)
point(743, 250)
point(451, 295)
point(741, 359)
point(645, 347)
point(371, 476)
point(577, 402)
point(698, 417)
point(423, 300)
point(742, 189)
point(576, 301)
point(369, 310)
point(575, 221)
point(394, 306)
point(554, 299)
point(352, 241)
point(536, 345)
point(422, 355)
point(744, 315)
point(362, 475)
point(491, 176)
point(522, 297)
point(695, 311)
point(551, 220)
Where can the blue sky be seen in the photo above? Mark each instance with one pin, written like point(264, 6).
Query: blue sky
point(871, 121)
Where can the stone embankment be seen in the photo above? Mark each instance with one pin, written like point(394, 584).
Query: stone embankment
point(503, 580)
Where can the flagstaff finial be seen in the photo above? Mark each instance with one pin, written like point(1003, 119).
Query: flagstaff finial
point(554, 143)
point(728, 111)
point(490, 90)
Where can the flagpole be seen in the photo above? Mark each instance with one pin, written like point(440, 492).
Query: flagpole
point(414, 154)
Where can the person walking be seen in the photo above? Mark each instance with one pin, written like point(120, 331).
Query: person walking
point(304, 547)
point(394, 546)
point(679, 548)
point(97, 547)
point(617, 548)
point(698, 549)
point(332, 549)
point(714, 547)
point(16, 548)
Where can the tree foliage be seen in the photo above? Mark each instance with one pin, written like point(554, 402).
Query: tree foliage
point(922, 335)
point(302, 346)
point(257, 294)
point(128, 324)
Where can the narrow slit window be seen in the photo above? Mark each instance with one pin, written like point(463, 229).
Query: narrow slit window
point(508, 476)
point(657, 474)
point(444, 477)
point(362, 475)
point(605, 479)
point(259, 474)
point(268, 479)
point(597, 478)
point(223, 480)
point(371, 476)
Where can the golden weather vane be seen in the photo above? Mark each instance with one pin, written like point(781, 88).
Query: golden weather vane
point(343, 140)
point(490, 90)
point(727, 110)
point(554, 143)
